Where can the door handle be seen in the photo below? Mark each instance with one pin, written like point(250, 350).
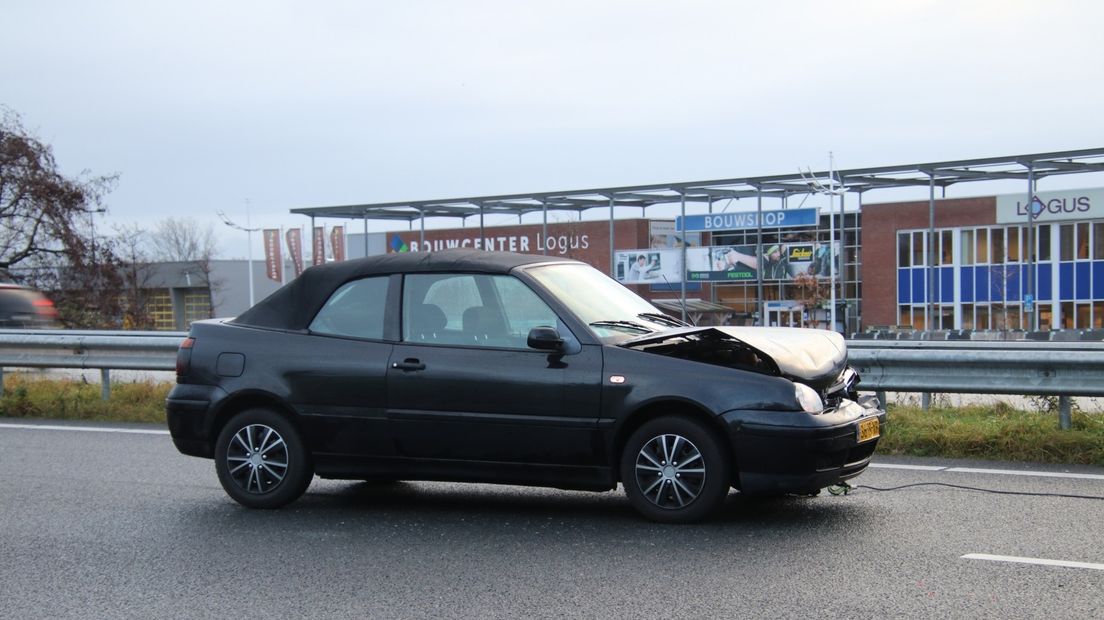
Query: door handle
point(408, 364)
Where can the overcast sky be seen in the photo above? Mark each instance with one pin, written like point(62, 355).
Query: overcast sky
point(201, 106)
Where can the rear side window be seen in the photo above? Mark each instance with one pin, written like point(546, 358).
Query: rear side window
point(356, 310)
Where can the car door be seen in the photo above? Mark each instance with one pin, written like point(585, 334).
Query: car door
point(339, 380)
point(464, 385)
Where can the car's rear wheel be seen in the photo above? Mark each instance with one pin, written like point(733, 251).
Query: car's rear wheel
point(261, 461)
point(674, 470)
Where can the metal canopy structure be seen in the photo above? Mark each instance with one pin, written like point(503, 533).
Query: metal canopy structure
point(1027, 167)
point(857, 180)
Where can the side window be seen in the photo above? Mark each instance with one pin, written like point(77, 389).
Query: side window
point(471, 310)
point(356, 309)
point(523, 309)
point(434, 307)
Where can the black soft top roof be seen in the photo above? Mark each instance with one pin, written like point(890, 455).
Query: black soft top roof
point(294, 305)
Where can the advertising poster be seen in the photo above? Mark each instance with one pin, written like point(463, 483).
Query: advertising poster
point(663, 234)
point(318, 245)
point(780, 261)
point(337, 243)
point(274, 262)
point(295, 249)
point(649, 266)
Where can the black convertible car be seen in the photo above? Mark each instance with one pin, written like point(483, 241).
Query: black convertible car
point(495, 367)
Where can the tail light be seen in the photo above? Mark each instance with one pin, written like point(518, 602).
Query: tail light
point(45, 308)
point(184, 356)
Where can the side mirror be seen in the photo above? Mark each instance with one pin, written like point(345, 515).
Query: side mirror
point(545, 339)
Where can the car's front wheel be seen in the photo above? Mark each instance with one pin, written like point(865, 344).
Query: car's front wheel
point(261, 461)
point(674, 470)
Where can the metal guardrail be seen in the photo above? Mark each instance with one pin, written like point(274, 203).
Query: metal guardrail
point(1061, 369)
point(102, 350)
point(980, 367)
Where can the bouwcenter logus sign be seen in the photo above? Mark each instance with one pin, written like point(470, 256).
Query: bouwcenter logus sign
point(1076, 204)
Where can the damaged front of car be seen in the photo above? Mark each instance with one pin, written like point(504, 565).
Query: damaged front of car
point(818, 433)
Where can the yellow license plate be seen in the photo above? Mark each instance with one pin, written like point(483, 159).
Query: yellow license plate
point(869, 429)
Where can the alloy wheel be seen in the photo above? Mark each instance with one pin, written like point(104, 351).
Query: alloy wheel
point(257, 459)
point(670, 471)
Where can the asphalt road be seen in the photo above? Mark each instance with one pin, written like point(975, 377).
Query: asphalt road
point(105, 524)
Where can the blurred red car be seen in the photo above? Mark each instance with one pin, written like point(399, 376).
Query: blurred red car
point(24, 308)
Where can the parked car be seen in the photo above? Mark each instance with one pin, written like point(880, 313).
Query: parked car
point(506, 368)
point(25, 308)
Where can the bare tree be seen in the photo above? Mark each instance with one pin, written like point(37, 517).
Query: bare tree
point(42, 211)
point(185, 240)
point(47, 234)
point(132, 245)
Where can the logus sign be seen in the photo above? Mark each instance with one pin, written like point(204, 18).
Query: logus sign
point(1078, 204)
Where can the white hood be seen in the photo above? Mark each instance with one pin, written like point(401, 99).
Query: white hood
point(801, 353)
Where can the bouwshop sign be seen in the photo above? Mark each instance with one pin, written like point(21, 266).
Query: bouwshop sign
point(1077, 204)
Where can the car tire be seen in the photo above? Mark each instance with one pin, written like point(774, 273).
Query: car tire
point(261, 461)
point(668, 492)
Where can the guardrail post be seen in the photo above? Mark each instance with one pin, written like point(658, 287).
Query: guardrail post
point(925, 401)
point(1064, 418)
point(105, 384)
point(881, 398)
point(1, 381)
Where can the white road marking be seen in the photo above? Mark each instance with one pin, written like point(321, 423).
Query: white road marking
point(1018, 472)
point(86, 429)
point(916, 467)
point(1017, 560)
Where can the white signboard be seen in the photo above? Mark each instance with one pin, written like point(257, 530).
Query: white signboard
point(650, 266)
point(1075, 204)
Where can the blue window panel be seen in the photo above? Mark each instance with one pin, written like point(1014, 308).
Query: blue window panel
point(904, 286)
point(967, 284)
point(1044, 282)
point(981, 280)
point(1065, 281)
point(1012, 283)
point(946, 285)
point(1083, 278)
point(919, 286)
point(996, 283)
point(1098, 279)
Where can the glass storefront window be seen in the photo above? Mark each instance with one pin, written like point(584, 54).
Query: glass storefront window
point(946, 254)
point(997, 237)
point(1083, 240)
point(1042, 233)
point(1084, 316)
point(982, 317)
point(918, 249)
point(1013, 244)
point(967, 247)
point(983, 245)
point(1098, 240)
point(1065, 242)
point(904, 250)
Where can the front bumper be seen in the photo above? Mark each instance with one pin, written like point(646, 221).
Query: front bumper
point(793, 452)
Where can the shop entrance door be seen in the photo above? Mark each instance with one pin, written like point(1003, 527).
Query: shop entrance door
point(784, 315)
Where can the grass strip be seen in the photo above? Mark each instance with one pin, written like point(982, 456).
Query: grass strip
point(996, 432)
point(73, 399)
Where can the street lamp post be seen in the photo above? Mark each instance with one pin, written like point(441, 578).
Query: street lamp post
point(249, 250)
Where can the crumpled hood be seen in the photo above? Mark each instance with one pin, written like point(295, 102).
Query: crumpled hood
point(813, 356)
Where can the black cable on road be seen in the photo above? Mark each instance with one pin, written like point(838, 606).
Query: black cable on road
point(967, 488)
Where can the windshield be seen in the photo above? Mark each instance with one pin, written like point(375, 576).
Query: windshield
point(601, 302)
